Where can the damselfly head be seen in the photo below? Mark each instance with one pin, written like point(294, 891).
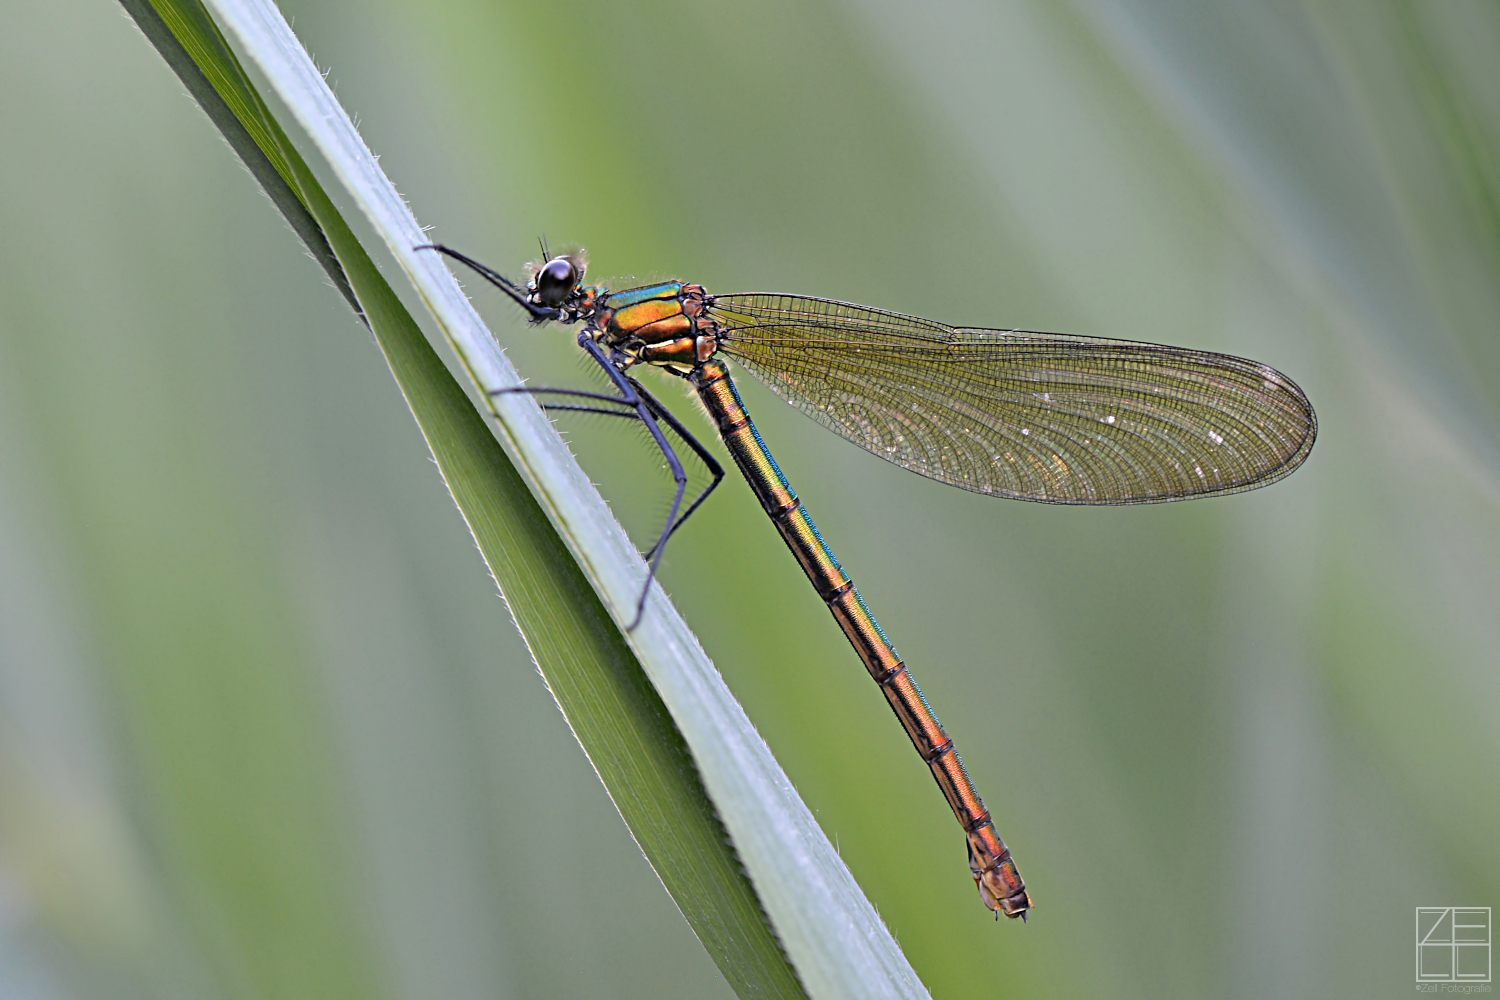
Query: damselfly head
point(553, 281)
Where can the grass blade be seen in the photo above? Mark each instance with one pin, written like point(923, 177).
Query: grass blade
point(556, 552)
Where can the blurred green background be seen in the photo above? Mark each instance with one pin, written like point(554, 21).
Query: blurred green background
point(266, 730)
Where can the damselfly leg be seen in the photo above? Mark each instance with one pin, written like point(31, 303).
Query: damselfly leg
point(641, 405)
point(658, 410)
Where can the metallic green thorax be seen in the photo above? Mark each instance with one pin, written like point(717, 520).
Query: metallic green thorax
point(665, 325)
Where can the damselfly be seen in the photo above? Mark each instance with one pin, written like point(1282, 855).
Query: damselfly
point(1031, 416)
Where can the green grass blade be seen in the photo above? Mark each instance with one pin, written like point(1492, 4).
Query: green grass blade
point(187, 39)
point(838, 944)
point(616, 713)
point(611, 705)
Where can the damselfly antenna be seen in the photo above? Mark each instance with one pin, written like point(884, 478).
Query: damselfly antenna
point(539, 313)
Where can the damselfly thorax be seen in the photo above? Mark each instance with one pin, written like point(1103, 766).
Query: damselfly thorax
point(669, 325)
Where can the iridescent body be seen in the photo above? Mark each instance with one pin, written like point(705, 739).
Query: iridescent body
point(1032, 416)
point(671, 325)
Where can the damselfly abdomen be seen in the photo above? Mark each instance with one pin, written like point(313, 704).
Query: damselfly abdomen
point(1031, 416)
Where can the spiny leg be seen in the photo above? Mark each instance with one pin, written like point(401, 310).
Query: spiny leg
point(714, 468)
point(679, 476)
point(658, 410)
point(559, 407)
point(602, 397)
point(583, 393)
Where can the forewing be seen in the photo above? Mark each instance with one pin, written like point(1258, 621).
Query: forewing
point(1034, 416)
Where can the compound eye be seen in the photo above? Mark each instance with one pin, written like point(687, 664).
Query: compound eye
point(555, 281)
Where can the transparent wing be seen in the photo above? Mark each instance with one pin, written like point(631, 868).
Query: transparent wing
point(1034, 416)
